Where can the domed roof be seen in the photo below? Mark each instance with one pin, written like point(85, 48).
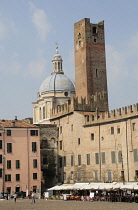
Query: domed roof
point(55, 83)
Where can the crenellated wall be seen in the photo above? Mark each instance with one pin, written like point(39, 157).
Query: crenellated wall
point(63, 109)
point(98, 100)
point(116, 114)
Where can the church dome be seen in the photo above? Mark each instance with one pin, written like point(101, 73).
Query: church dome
point(57, 81)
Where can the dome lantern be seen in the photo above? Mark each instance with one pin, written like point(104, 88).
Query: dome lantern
point(57, 63)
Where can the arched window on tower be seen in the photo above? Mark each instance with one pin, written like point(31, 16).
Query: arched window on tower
point(79, 36)
point(55, 66)
point(96, 72)
point(58, 65)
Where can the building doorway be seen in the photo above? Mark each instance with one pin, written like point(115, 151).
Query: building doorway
point(9, 190)
point(17, 189)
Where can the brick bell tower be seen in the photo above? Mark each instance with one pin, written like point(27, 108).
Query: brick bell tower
point(90, 62)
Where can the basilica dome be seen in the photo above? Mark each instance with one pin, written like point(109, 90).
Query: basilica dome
point(57, 81)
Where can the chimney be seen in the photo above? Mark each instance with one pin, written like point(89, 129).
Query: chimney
point(13, 123)
point(16, 118)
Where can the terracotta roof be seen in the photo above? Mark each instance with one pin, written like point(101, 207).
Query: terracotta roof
point(18, 124)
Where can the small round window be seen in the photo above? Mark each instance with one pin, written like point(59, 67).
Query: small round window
point(66, 93)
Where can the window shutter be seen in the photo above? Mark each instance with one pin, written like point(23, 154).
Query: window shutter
point(103, 157)
point(33, 146)
point(97, 158)
point(79, 160)
point(88, 159)
point(72, 160)
point(113, 156)
point(0, 144)
point(120, 157)
point(0, 158)
point(135, 154)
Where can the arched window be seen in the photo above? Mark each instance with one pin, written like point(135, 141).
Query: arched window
point(58, 65)
point(40, 113)
point(44, 143)
point(44, 112)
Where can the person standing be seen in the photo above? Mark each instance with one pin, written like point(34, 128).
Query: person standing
point(33, 197)
point(15, 196)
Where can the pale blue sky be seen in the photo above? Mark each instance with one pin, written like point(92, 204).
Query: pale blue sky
point(29, 30)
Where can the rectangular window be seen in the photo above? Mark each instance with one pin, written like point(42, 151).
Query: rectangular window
point(109, 175)
point(88, 159)
point(33, 146)
point(97, 158)
point(34, 132)
point(64, 161)
point(45, 161)
point(0, 134)
point(71, 174)
point(103, 157)
point(60, 129)
point(34, 175)
point(35, 163)
point(92, 136)
point(92, 117)
point(136, 173)
point(119, 156)
point(60, 162)
point(72, 127)
point(94, 30)
point(78, 141)
point(135, 155)
point(118, 130)
point(72, 160)
point(60, 144)
point(8, 132)
point(8, 164)
point(79, 160)
point(133, 126)
point(7, 177)
point(79, 176)
point(17, 164)
point(0, 144)
point(112, 130)
point(112, 156)
point(96, 175)
point(17, 177)
point(0, 172)
point(9, 147)
point(0, 159)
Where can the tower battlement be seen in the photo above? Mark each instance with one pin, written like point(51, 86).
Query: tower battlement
point(99, 100)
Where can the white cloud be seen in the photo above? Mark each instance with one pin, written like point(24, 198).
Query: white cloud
point(37, 67)
point(39, 19)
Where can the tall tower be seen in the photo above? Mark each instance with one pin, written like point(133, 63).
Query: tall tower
point(90, 62)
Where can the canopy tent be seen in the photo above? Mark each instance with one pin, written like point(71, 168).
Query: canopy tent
point(96, 186)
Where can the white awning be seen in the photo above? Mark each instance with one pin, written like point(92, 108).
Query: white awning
point(96, 186)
